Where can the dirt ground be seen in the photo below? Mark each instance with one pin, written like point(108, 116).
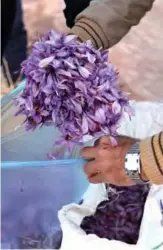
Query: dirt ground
point(138, 56)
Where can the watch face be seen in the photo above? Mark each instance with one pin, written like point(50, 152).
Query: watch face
point(132, 162)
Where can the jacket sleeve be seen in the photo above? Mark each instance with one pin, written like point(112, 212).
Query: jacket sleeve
point(105, 22)
point(151, 154)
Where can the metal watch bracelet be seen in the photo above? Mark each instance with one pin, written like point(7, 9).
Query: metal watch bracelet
point(133, 164)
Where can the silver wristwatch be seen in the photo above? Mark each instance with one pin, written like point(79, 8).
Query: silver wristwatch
point(133, 164)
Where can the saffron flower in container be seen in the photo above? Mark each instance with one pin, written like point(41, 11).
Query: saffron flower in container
point(72, 86)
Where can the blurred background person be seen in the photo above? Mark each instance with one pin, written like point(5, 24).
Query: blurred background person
point(8, 8)
point(15, 48)
point(73, 8)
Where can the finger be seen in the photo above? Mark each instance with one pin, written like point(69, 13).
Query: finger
point(103, 143)
point(89, 152)
point(108, 142)
point(125, 140)
point(105, 140)
point(98, 178)
point(97, 142)
point(91, 168)
point(96, 166)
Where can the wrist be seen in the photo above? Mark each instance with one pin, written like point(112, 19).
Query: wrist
point(143, 176)
point(126, 143)
point(133, 164)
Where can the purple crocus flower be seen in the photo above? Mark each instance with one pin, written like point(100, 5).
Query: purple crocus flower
point(71, 86)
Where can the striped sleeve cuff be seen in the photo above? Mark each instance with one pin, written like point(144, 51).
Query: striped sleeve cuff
point(87, 29)
point(151, 153)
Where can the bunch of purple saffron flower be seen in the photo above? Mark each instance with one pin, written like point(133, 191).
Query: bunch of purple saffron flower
point(72, 86)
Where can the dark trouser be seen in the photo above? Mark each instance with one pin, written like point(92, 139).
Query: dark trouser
point(8, 10)
point(16, 49)
point(15, 52)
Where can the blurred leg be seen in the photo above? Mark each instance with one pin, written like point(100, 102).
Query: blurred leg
point(8, 9)
point(16, 50)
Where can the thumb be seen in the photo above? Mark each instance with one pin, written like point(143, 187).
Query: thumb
point(104, 142)
point(124, 140)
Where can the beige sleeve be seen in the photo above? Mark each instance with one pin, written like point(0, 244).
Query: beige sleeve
point(105, 22)
point(151, 153)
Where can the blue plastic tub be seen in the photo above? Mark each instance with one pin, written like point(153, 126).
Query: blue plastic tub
point(33, 188)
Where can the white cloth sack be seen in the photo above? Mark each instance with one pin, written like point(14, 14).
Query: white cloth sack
point(148, 120)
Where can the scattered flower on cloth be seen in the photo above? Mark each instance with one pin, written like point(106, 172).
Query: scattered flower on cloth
point(73, 87)
point(72, 215)
point(119, 217)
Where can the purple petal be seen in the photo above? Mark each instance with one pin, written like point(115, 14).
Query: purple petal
point(36, 76)
point(105, 129)
point(113, 130)
point(129, 110)
point(91, 58)
point(51, 156)
point(116, 108)
point(46, 61)
point(77, 106)
point(53, 116)
point(109, 97)
point(35, 90)
point(70, 39)
point(37, 118)
point(48, 100)
point(44, 113)
point(92, 91)
point(79, 56)
point(19, 112)
point(47, 89)
point(30, 126)
point(63, 86)
point(81, 86)
point(75, 74)
point(115, 92)
point(53, 35)
point(105, 86)
point(89, 42)
point(100, 98)
point(69, 64)
point(84, 72)
point(50, 80)
point(100, 115)
point(64, 72)
point(63, 53)
point(98, 134)
point(51, 42)
point(56, 64)
point(84, 125)
point(91, 124)
point(20, 100)
point(113, 141)
point(29, 104)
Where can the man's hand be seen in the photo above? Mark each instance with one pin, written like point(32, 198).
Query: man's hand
point(106, 163)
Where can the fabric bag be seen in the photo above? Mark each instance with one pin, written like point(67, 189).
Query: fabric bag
point(147, 121)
